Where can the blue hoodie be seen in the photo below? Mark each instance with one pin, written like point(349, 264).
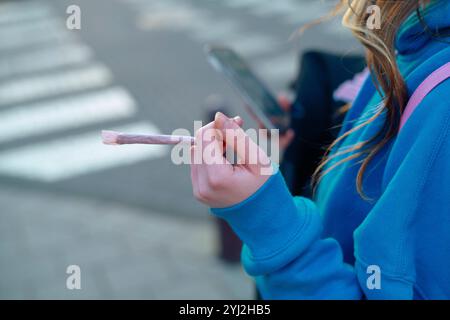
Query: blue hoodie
point(396, 246)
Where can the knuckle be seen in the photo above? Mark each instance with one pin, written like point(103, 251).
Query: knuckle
point(215, 182)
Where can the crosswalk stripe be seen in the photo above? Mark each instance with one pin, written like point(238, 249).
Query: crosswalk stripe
point(17, 5)
point(308, 11)
point(55, 160)
point(295, 12)
point(63, 157)
point(44, 38)
point(279, 69)
point(23, 13)
point(274, 7)
point(169, 15)
point(159, 6)
point(34, 32)
point(43, 59)
point(188, 18)
point(216, 31)
point(252, 44)
point(66, 113)
point(173, 19)
point(39, 86)
point(30, 28)
point(242, 3)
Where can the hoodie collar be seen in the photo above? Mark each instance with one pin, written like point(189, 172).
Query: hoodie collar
point(411, 36)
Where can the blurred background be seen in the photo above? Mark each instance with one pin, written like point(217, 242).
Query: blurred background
point(126, 216)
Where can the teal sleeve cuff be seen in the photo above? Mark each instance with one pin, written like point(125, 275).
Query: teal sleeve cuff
point(270, 220)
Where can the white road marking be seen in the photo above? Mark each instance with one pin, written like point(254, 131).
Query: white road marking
point(278, 70)
point(215, 30)
point(295, 12)
point(43, 59)
point(152, 4)
point(274, 7)
point(65, 158)
point(17, 5)
point(66, 113)
point(34, 32)
point(170, 16)
point(44, 38)
point(178, 18)
point(203, 27)
point(35, 87)
point(29, 28)
point(252, 44)
point(308, 11)
point(242, 3)
point(32, 11)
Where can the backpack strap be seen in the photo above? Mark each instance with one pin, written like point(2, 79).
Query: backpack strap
point(431, 82)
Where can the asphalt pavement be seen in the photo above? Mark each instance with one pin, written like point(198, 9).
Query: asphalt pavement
point(121, 253)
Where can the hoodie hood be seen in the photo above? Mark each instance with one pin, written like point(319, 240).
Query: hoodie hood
point(412, 35)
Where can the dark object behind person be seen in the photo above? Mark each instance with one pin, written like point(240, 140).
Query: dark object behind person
point(315, 114)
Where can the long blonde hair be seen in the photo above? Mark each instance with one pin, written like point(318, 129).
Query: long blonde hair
point(381, 60)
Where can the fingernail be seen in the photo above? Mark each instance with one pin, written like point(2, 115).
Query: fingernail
point(237, 119)
point(219, 117)
point(220, 120)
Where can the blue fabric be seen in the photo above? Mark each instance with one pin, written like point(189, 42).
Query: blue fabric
point(300, 249)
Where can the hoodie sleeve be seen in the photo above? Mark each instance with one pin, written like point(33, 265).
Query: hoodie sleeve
point(283, 248)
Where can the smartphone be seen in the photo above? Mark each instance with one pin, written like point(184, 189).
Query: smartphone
point(260, 102)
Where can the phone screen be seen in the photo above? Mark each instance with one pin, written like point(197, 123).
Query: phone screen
point(263, 104)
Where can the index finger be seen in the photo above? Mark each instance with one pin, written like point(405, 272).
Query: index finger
point(250, 154)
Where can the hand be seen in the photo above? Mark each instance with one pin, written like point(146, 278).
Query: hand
point(215, 181)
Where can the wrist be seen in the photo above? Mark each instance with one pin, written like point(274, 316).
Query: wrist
point(266, 221)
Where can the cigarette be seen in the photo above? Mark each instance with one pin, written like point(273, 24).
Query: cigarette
point(117, 138)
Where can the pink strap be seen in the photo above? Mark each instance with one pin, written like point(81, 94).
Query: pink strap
point(431, 82)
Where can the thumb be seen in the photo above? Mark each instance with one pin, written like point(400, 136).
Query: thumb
point(249, 153)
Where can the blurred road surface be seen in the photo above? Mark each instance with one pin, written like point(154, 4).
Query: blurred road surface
point(122, 253)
